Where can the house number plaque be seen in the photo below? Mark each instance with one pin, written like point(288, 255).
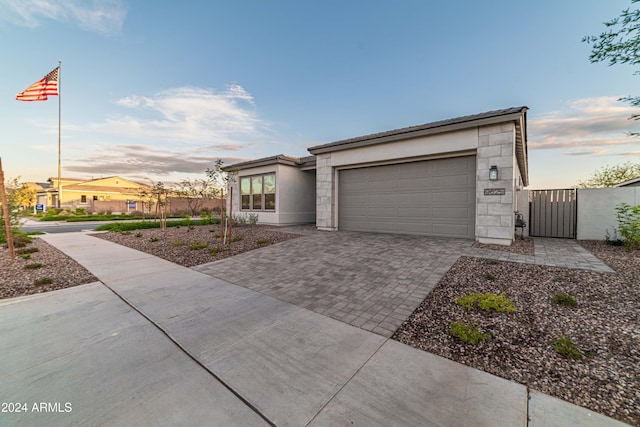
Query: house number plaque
point(494, 191)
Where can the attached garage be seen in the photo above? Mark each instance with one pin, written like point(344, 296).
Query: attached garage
point(430, 197)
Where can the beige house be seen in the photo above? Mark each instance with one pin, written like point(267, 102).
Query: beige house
point(451, 178)
point(112, 193)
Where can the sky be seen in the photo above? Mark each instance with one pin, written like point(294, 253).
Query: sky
point(158, 93)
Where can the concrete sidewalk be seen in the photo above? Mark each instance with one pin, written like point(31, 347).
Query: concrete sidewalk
point(156, 343)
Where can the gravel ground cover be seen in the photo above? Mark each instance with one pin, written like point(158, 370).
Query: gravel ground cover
point(604, 326)
point(189, 246)
point(17, 279)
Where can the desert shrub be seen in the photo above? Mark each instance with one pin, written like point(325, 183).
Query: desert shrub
point(26, 251)
point(469, 333)
point(565, 347)
point(21, 240)
point(487, 302)
point(215, 251)
point(564, 299)
point(43, 281)
point(33, 266)
point(629, 224)
point(195, 246)
point(614, 240)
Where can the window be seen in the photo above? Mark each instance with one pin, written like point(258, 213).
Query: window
point(83, 198)
point(258, 193)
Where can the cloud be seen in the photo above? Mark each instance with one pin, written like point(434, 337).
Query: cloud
point(101, 16)
point(141, 161)
point(600, 123)
point(175, 132)
point(188, 114)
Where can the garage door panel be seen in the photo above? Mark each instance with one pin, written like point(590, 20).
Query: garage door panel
point(451, 181)
point(434, 197)
point(455, 198)
point(451, 213)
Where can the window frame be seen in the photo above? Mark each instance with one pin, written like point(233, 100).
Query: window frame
point(251, 201)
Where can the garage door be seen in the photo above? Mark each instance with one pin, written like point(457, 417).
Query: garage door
point(433, 198)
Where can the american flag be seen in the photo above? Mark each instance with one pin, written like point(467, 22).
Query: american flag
point(40, 90)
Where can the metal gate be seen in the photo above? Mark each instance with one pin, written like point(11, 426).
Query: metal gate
point(553, 213)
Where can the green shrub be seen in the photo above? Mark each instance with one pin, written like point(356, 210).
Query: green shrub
point(215, 251)
point(564, 299)
point(237, 239)
point(487, 302)
point(489, 277)
point(153, 239)
point(262, 241)
point(469, 333)
point(26, 256)
point(195, 246)
point(614, 240)
point(33, 266)
point(629, 224)
point(565, 347)
point(43, 281)
point(138, 234)
point(177, 242)
point(20, 240)
point(26, 251)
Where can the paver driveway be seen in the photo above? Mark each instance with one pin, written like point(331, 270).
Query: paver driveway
point(369, 280)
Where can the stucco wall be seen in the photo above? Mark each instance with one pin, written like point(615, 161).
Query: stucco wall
point(295, 195)
point(410, 148)
point(596, 210)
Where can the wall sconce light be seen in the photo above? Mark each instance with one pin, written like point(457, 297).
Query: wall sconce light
point(493, 173)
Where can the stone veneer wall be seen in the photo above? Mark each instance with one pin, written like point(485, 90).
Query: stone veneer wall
point(325, 202)
point(495, 214)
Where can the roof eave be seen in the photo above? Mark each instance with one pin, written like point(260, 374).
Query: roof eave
point(404, 134)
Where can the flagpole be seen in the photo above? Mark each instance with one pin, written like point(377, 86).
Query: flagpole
point(59, 125)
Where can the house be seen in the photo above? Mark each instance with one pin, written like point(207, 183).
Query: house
point(115, 194)
point(111, 193)
point(450, 178)
point(635, 182)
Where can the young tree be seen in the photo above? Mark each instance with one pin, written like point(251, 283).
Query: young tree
point(225, 179)
point(608, 176)
point(20, 193)
point(197, 192)
point(620, 44)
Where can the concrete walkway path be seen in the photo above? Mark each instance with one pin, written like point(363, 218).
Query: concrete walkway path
point(158, 344)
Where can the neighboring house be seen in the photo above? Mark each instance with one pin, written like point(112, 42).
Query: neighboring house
point(112, 193)
point(635, 182)
point(451, 178)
